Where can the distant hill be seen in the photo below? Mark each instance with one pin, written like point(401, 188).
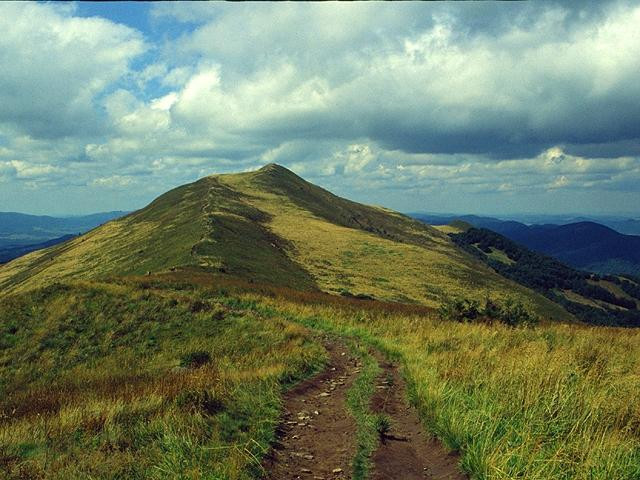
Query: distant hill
point(584, 245)
point(21, 233)
point(624, 225)
point(10, 252)
point(609, 300)
point(272, 227)
point(21, 228)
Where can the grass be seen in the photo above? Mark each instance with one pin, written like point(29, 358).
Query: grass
point(93, 387)
point(92, 384)
point(358, 401)
point(371, 251)
point(550, 402)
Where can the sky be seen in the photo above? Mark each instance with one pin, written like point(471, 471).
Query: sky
point(470, 107)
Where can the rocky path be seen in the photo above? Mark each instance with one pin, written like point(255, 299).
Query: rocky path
point(317, 438)
point(405, 451)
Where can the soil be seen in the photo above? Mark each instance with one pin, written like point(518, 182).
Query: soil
point(406, 452)
point(317, 436)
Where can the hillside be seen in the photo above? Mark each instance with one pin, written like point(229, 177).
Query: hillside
point(271, 226)
point(195, 339)
point(586, 245)
point(609, 300)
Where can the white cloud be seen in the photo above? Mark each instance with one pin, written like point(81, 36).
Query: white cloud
point(54, 65)
point(113, 181)
point(461, 99)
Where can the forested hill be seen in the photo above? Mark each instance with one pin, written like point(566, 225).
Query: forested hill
point(586, 245)
point(595, 299)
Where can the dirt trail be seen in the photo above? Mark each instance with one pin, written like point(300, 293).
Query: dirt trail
point(317, 439)
point(406, 452)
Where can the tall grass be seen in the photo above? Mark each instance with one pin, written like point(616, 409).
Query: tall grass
point(92, 385)
point(550, 402)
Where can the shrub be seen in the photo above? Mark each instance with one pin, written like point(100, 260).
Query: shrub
point(195, 359)
point(511, 313)
point(204, 401)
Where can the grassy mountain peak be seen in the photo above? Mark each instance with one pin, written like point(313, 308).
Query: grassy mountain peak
point(271, 226)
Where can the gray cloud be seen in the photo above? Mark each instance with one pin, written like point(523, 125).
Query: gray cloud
point(440, 100)
point(54, 66)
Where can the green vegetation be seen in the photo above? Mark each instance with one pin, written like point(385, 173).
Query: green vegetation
point(358, 401)
point(159, 345)
point(549, 402)
point(581, 293)
point(120, 381)
point(510, 313)
point(92, 383)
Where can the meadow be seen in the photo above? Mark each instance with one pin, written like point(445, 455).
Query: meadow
point(106, 380)
point(113, 381)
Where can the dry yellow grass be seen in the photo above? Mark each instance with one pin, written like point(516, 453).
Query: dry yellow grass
point(551, 402)
point(342, 258)
point(271, 226)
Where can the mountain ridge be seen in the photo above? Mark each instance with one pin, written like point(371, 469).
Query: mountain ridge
point(585, 245)
point(271, 226)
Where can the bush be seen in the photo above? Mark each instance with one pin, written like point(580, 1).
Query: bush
point(203, 401)
point(512, 313)
point(195, 359)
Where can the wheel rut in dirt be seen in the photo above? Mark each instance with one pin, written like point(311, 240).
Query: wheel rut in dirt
point(406, 452)
point(317, 438)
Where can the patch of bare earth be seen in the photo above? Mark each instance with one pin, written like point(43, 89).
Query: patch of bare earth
point(406, 452)
point(317, 438)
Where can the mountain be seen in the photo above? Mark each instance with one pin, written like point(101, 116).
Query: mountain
point(20, 229)
point(624, 225)
point(584, 245)
point(609, 300)
point(621, 224)
point(9, 252)
point(271, 226)
point(222, 327)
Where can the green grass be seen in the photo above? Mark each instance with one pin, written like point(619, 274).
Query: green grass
point(92, 383)
point(358, 401)
point(550, 402)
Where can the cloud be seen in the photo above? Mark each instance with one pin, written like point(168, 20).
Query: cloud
point(376, 100)
point(54, 65)
point(322, 71)
point(114, 181)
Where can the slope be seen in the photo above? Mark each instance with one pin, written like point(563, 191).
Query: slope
point(593, 299)
point(271, 226)
point(585, 244)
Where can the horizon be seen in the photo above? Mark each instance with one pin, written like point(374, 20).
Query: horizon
point(488, 109)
